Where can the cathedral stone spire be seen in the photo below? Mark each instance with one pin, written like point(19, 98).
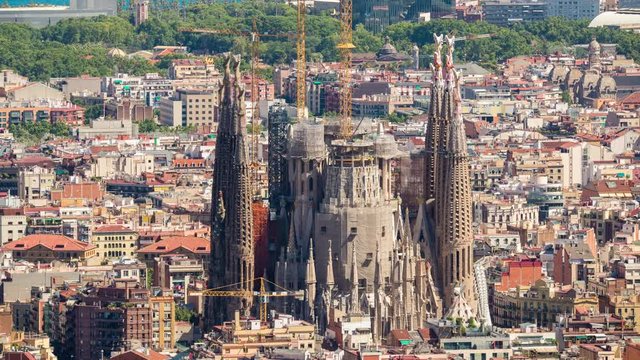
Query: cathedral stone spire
point(355, 293)
point(311, 283)
point(433, 121)
point(457, 219)
point(330, 277)
point(232, 257)
point(378, 293)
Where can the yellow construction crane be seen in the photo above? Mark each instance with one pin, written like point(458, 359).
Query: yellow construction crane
point(263, 295)
point(301, 63)
point(346, 47)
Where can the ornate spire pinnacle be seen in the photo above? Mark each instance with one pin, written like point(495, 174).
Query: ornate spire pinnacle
point(377, 276)
point(377, 298)
point(292, 247)
point(355, 293)
point(311, 282)
point(330, 278)
point(457, 136)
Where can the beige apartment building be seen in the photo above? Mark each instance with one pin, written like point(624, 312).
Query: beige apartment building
point(12, 227)
point(197, 108)
point(35, 183)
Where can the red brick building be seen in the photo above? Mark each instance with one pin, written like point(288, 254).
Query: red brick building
point(522, 272)
point(632, 351)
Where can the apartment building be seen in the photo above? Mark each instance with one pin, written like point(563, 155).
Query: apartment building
point(197, 108)
point(181, 69)
point(539, 303)
point(12, 227)
point(573, 9)
point(111, 319)
point(114, 241)
point(507, 12)
point(163, 315)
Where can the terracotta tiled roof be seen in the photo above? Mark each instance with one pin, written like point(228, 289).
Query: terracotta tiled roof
point(168, 245)
point(51, 242)
point(112, 229)
point(146, 354)
point(401, 334)
point(105, 148)
point(632, 99)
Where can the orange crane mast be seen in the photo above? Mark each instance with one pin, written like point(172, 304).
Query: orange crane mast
point(301, 63)
point(346, 47)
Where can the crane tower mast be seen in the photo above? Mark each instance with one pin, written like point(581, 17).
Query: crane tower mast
point(301, 63)
point(346, 47)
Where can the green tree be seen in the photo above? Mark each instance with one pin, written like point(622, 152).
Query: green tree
point(93, 112)
point(566, 97)
point(185, 314)
point(397, 118)
point(366, 41)
point(148, 126)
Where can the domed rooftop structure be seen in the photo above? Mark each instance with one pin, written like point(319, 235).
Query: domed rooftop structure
point(621, 19)
point(388, 52)
point(387, 49)
point(115, 52)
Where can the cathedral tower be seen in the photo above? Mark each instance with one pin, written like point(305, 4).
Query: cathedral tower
point(447, 185)
point(232, 258)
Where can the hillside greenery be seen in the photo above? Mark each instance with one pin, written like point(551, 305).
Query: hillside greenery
point(79, 46)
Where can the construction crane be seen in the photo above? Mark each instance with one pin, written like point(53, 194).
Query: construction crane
point(346, 47)
point(301, 62)
point(263, 295)
point(254, 36)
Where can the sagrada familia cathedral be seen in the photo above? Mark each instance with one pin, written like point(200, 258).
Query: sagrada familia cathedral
point(351, 247)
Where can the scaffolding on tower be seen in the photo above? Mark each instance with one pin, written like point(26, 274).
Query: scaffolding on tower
point(346, 48)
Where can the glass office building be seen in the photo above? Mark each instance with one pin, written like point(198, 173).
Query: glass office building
point(376, 15)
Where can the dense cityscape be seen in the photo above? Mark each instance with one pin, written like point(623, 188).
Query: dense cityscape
point(320, 179)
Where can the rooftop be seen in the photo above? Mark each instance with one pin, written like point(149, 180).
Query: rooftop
point(51, 242)
point(191, 243)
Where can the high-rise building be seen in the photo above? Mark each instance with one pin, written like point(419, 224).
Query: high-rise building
point(232, 260)
point(140, 11)
point(573, 9)
point(376, 15)
point(448, 209)
point(629, 4)
point(507, 12)
point(440, 8)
